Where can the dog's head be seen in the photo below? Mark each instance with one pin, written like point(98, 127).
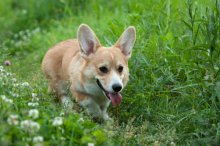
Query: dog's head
point(107, 67)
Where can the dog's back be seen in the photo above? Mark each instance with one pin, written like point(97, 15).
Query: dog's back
point(56, 61)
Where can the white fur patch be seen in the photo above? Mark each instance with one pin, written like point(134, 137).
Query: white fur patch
point(93, 89)
point(115, 79)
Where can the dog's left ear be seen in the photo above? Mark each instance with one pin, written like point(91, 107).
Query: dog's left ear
point(126, 41)
point(87, 40)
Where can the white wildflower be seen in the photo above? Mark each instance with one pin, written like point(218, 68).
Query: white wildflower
point(33, 104)
point(4, 98)
point(8, 74)
point(15, 95)
point(34, 95)
point(25, 84)
point(14, 80)
point(16, 85)
point(21, 33)
point(62, 114)
point(1, 69)
point(216, 67)
point(35, 99)
point(38, 139)
point(13, 120)
point(57, 121)
point(172, 143)
point(18, 44)
point(91, 144)
point(62, 138)
point(30, 126)
point(156, 143)
point(9, 100)
point(81, 120)
point(34, 113)
point(36, 30)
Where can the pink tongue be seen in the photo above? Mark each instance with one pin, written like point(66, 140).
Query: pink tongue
point(116, 98)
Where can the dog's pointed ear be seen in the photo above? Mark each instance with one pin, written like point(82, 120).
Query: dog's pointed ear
point(126, 41)
point(87, 40)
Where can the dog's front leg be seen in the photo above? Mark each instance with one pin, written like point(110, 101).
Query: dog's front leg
point(105, 115)
point(92, 108)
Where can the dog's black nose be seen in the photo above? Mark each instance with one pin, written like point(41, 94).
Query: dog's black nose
point(116, 87)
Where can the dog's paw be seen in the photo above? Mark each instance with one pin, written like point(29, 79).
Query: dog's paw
point(106, 117)
point(67, 103)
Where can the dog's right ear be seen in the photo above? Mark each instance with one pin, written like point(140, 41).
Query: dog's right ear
point(126, 41)
point(87, 40)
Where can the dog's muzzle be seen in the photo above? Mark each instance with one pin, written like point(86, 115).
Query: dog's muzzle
point(115, 97)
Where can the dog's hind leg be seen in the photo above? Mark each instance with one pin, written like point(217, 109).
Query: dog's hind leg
point(57, 86)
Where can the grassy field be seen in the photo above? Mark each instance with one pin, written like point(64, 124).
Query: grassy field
point(173, 97)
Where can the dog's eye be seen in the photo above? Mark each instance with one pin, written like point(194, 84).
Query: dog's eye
point(120, 68)
point(103, 69)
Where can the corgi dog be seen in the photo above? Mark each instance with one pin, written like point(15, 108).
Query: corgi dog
point(95, 74)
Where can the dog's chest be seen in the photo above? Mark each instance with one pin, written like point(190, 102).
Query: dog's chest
point(93, 89)
point(96, 92)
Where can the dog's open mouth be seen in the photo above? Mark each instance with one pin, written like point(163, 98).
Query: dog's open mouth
point(115, 97)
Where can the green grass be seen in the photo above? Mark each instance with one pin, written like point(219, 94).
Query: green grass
point(173, 97)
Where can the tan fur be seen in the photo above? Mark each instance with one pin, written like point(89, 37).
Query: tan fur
point(65, 63)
